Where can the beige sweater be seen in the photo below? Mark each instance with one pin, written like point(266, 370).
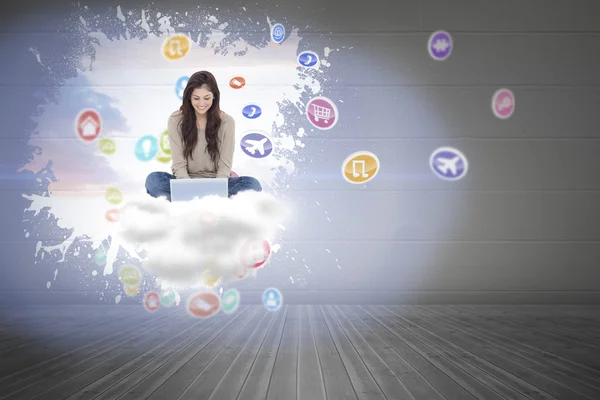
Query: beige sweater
point(201, 166)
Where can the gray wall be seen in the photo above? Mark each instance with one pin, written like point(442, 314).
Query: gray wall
point(523, 226)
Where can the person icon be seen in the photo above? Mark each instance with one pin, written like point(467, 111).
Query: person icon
point(271, 302)
point(272, 299)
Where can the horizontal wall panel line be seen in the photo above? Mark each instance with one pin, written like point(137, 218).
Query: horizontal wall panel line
point(360, 289)
point(317, 136)
point(349, 33)
point(492, 86)
point(363, 190)
point(33, 241)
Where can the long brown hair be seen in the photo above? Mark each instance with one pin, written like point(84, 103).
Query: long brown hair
point(188, 127)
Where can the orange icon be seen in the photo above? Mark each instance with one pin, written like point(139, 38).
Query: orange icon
point(237, 83)
point(360, 167)
point(204, 304)
point(176, 47)
point(112, 215)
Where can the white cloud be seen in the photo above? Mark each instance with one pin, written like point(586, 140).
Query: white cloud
point(184, 239)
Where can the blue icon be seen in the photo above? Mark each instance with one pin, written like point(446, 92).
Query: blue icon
point(308, 59)
point(278, 33)
point(252, 111)
point(180, 86)
point(272, 299)
point(448, 163)
point(256, 145)
point(146, 148)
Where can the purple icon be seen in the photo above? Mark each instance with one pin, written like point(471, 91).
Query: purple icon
point(256, 145)
point(448, 163)
point(322, 113)
point(440, 45)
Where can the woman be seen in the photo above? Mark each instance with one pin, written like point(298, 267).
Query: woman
point(202, 140)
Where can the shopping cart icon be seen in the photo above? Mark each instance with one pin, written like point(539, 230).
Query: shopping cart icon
point(321, 112)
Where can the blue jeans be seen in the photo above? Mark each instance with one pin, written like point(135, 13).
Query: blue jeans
point(159, 184)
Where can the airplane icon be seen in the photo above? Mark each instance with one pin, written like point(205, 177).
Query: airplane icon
point(449, 163)
point(256, 145)
point(445, 164)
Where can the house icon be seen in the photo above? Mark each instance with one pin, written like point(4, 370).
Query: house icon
point(89, 127)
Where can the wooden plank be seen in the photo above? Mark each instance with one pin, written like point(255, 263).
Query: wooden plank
point(26, 362)
point(184, 334)
point(587, 314)
point(73, 330)
point(177, 368)
point(362, 379)
point(561, 325)
point(283, 382)
point(537, 360)
point(256, 385)
point(470, 378)
point(47, 384)
point(476, 373)
point(311, 384)
point(77, 356)
point(230, 385)
point(152, 369)
point(527, 218)
point(337, 381)
point(390, 384)
point(437, 378)
point(511, 16)
point(418, 386)
point(177, 380)
point(119, 356)
point(482, 355)
point(540, 346)
point(209, 376)
point(35, 322)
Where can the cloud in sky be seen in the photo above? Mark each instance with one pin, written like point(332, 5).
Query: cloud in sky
point(185, 239)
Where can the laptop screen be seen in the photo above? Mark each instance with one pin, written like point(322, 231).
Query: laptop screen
point(190, 189)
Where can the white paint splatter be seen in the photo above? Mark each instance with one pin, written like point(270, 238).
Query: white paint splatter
point(36, 53)
point(120, 15)
point(273, 69)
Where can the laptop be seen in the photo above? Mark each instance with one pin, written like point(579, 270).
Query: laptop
point(190, 189)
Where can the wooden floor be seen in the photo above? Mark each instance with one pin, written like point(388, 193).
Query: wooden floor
point(301, 352)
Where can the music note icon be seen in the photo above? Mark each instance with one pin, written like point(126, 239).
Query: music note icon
point(364, 166)
point(176, 47)
point(360, 167)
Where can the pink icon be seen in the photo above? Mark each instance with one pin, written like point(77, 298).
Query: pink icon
point(322, 113)
point(234, 174)
point(151, 301)
point(255, 253)
point(503, 103)
point(88, 125)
